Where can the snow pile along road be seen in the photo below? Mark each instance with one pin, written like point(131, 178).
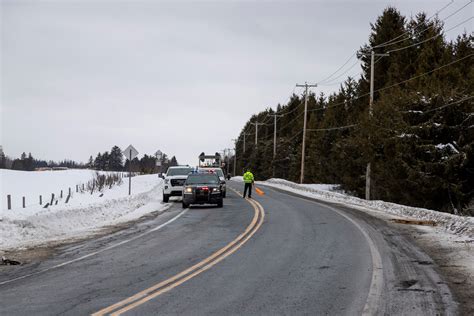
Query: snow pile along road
point(83, 215)
point(462, 226)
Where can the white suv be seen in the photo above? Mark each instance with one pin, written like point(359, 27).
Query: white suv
point(174, 180)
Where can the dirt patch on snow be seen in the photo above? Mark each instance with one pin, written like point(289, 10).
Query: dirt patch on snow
point(454, 259)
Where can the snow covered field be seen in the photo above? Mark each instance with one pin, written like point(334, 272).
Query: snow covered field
point(83, 215)
point(32, 184)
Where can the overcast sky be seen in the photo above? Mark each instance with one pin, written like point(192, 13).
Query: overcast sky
point(78, 77)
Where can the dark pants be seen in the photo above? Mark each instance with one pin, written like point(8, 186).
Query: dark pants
point(248, 186)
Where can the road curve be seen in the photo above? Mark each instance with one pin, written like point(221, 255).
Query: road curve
point(306, 258)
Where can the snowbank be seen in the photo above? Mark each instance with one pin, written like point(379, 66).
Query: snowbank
point(83, 215)
point(459, 225)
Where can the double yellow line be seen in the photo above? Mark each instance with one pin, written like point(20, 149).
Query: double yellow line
point(167, 285)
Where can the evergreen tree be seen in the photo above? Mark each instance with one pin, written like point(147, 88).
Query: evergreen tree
point(3, 160)
point(116, 159)
point(98, 162)
point(90, 163)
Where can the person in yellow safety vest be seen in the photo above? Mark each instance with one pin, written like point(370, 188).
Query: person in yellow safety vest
point(248, 180)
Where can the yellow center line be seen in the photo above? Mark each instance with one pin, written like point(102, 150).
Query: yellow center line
point(168, 284)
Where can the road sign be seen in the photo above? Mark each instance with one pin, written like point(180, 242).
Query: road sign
point(130, 152)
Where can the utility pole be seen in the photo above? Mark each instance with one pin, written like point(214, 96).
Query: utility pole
point(275, 133)
point(235, 155)
point(275, 140)
point(244, 140)
point(305, 85)
point(228, 159)
point(256, 132)
point(371, 104)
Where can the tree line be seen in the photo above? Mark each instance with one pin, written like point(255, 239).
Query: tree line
point(115, 161)
point(29, 163)
point(112, 160)
point(418, 140)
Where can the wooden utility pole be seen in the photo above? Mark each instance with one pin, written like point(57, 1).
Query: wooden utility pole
point(235, 155)
point(303, 146)
point(256, 132)
point(275, 133)
point(371, 104)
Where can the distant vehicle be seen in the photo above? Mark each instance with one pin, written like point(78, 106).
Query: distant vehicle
point(202, 188)
point(219, 173)
point(174, 180)
point(210, 160)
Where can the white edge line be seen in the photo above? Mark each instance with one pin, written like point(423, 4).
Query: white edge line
point(97, 252)
point(376, 284)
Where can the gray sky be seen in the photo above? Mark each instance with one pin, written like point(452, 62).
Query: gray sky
point(78, 77)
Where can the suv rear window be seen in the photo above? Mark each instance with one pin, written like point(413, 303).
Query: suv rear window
point(179, 171)
point(202, 179)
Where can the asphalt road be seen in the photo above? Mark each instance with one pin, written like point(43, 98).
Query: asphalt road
point(306, 258)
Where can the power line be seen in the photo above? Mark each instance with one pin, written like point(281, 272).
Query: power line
point(347, 61)
point(331, 128)
point(429, 39)
point(449, 104)
point(342, 74)
point(425, 29)
point(352, 76)
point(387, 43)
point(328, 80)
point(391, 41)
point(397, 84)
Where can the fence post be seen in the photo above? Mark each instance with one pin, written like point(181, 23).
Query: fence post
point(77, 188)
point(52, 199)
point(23, 202)
point(69, 191)
point(61, 196)
point(83, 187)
point(41, 200)
point(68, 197)
point(9, 201)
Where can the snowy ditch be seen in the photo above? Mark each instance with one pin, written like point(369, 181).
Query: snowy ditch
point(85, 214)
point(458, 225)
point(450, 243)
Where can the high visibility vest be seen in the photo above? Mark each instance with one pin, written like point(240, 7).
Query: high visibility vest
point(248, 177)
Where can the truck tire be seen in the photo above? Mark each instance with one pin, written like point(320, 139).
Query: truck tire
point(220, 203)
point(166, 198)
point(185, 205)
point(224, 194)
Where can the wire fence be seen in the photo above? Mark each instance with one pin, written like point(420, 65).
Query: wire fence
point(97, 184)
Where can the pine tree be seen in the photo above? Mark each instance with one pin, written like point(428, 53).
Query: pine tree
point(116, 159)
point(98, 162)
point(3, 160)
point(90, 163)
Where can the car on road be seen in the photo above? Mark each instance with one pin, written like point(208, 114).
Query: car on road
point(220, 173)
point(202, 188)
point(174, 180)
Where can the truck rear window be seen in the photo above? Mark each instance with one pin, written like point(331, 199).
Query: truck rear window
point(179, 171)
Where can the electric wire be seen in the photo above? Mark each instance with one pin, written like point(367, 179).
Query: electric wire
point(428, 39)
point(391, 41)
point(397, 84)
